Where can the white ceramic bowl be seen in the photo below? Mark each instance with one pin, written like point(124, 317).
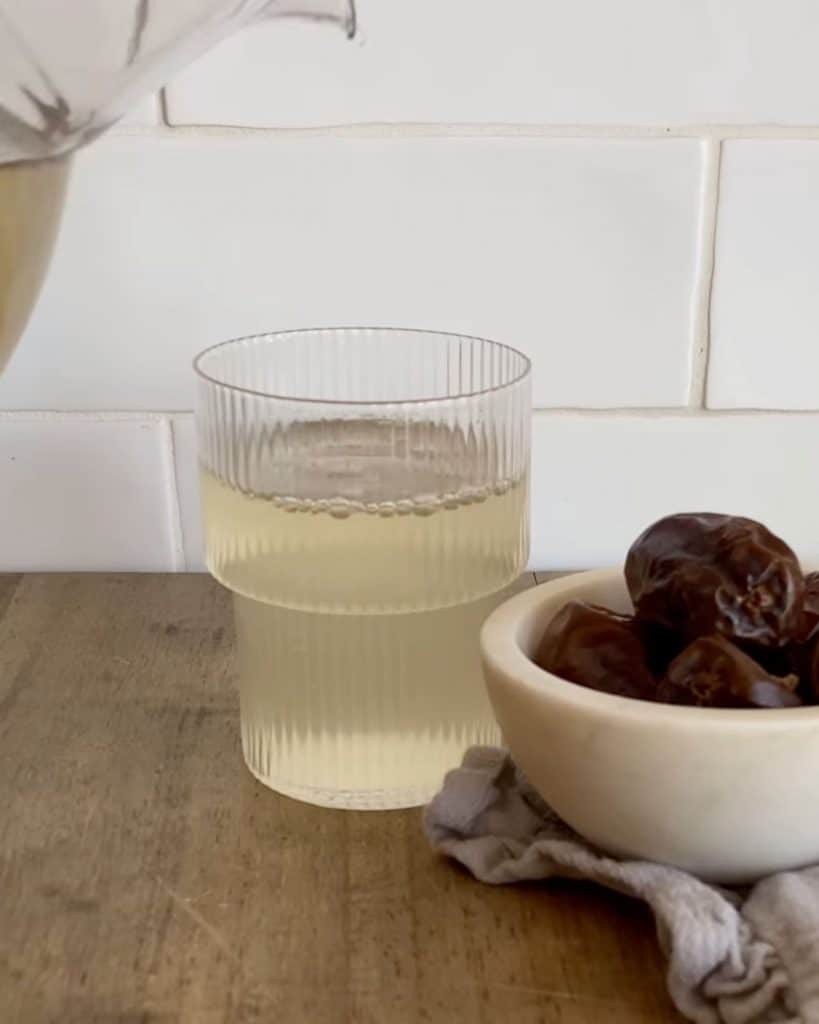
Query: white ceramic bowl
point(730, 795)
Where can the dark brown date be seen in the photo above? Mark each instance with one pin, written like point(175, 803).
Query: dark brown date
point(597, 648)
point(698, 574)
point(810, 608)
point(661, 646)
point(803, 654)
point(804, 659)
point(713, 672)
point(808, 666)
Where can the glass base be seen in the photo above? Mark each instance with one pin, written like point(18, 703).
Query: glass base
point(347, 800)
point(360, 711)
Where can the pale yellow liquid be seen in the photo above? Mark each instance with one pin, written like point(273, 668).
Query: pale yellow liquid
point(31, 201)
point(348, 698)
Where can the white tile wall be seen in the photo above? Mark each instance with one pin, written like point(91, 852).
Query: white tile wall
point(765, 312)
point(579, 252)
point(598, 480)
point(629, 192)
point(86, 493)
point(537, 61)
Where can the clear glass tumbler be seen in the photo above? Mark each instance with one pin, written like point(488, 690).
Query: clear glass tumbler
point(365, 498)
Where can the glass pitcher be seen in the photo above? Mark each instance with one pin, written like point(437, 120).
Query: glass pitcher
point(68, 71)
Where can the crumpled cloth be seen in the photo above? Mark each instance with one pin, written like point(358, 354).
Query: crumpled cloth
point(734, 957)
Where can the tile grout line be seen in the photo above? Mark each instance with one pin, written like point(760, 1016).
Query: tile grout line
point(454, 130)
point(700, 350)
point(655, 412)
point(158, 415)
point(174, 509)
point(93, 415)
point(162, 101)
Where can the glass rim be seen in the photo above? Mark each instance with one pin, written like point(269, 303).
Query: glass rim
point(392, 331)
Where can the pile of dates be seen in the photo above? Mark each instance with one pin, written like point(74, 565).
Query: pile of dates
point(723, 617)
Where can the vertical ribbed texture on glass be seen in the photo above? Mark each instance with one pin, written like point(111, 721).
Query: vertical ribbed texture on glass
point(360, 711)
point(366, 495)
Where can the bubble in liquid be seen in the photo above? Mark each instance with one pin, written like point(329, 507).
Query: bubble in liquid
point(425, 506)
point(340, 509)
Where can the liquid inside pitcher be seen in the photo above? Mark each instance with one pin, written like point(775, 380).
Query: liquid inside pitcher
point(31, 202)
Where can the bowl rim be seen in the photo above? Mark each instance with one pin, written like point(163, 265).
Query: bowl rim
point(501, 650)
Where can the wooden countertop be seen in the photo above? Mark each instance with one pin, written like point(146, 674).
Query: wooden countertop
point(146, 878)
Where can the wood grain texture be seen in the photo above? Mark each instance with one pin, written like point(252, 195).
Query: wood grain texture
point(147, 878)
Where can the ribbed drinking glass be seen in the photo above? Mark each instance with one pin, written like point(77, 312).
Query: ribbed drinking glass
point(365, 497)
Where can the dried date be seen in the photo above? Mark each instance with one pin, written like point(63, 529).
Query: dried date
point(698, 574)
point(597, 648)
point(713, 672)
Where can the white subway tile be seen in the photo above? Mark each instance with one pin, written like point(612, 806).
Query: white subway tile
point(765, 305)
point(598, 480)
point(84, 494)
point(580, 252)
point(187, 483)
point(629, 62)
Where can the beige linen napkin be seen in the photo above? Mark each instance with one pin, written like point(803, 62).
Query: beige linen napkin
point(749, 957)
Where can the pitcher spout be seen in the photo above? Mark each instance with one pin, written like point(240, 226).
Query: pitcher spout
point(59, 88)
point(342, 12)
